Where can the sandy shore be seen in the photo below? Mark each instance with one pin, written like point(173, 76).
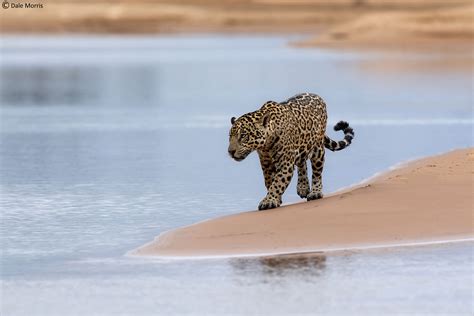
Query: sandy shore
point(429, 200)
point(430, 25)
point(163, 16)
point(156, 16)
point(448, 29)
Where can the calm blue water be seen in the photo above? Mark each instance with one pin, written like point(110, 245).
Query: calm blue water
point(106, 142)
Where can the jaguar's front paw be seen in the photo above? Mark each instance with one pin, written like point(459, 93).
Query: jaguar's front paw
point(314, 196)
point(268, 203)
point(302, 189)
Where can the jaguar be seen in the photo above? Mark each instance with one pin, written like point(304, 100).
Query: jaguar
point(285, 135)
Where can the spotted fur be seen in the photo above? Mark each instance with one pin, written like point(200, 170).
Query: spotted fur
point(286, 135)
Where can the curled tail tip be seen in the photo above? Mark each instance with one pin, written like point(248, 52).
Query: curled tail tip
point(348, 136)
point(344, 126)
point(341, 125)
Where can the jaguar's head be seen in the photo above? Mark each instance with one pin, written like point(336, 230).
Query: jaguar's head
point(247, 134)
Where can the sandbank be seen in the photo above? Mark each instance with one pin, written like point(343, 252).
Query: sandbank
point(426, 201)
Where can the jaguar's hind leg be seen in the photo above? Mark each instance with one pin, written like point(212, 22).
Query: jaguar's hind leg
point(302, 188)
point(317, 164)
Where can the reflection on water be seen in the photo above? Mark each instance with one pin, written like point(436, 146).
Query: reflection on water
point(281, 265)
point(46, 86)
point(425, 281)
point(78, 85)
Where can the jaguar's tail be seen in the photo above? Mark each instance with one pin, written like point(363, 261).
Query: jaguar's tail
point(348, 136)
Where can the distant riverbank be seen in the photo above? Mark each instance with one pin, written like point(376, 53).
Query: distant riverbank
point(339, 23)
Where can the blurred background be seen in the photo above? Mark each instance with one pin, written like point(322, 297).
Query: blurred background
point(419, 17)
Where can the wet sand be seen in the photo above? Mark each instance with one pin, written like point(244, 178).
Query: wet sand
point(425, 201)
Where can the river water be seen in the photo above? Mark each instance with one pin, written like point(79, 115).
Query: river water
point(108, 141)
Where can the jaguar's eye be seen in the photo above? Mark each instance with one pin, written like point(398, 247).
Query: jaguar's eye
point(243, 136)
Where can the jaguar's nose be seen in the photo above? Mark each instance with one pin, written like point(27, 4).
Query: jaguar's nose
point(231, 152)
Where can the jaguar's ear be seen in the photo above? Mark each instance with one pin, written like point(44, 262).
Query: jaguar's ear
point(232, 120)
point(266, 120)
